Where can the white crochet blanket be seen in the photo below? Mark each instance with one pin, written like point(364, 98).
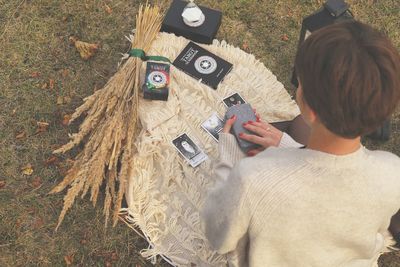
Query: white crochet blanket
point(165, 194)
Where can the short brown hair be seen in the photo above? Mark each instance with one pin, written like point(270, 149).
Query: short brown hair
point(350, 76)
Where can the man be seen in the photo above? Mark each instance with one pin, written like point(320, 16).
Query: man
point(328, 204)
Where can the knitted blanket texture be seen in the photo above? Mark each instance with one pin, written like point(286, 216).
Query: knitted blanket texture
point(164, 194)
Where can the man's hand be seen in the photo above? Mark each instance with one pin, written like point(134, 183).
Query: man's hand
point(228, 124)
point(265, 135)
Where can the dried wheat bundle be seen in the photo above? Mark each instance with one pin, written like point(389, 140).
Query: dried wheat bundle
point(110, 128)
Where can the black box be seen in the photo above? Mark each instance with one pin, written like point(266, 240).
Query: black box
point(203, 65)
point(173, 23)
point(155, 86)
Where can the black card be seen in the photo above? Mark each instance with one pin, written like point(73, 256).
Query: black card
point(202, 64)
point(156, 83)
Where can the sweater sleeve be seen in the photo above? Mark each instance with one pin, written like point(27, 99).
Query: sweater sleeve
point(287, 141)
point(229, 150)
point(224, 202)
point(225, 214)
point(229, 155)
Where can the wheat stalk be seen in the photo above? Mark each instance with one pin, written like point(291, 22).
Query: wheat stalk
point(110, 128)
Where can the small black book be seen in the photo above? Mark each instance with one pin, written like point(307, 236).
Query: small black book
point(202, 64)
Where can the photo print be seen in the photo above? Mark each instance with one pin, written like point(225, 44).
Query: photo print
point(232, 100)
point(213, 125)
point(189, 150)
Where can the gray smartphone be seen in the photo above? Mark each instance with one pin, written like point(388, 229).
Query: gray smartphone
point(244, 113)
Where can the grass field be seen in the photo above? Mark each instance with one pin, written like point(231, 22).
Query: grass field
point(42, 79)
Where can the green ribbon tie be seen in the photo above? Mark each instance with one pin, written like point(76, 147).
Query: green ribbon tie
point(135, 52)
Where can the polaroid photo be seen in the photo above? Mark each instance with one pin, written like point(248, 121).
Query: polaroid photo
point(232, 100)
point(213, 125)
point(189, 150)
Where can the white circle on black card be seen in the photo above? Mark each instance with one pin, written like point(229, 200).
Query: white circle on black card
point(205, 65)
point(158, 79)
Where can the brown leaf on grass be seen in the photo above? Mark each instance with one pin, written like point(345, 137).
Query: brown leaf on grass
point(60, 100)
point(51, 83)
point(67, 100)
point(245, 46)
point(37, 223)
point(51, 161)
point(86, 50)
point(69, 259)
point(2, 184)
point(31, 210)
point(27, 169)
point(285, 38)
point(65, 73)
point(35, 74)
point(42, 126)
point(107, 8)
point(36, 182)
point(18, 223)
point(21, 135)
point(114, 256)
point(66, 119)
point(44, 86)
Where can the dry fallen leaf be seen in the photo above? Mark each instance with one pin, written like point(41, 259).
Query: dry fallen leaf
point(284, 37)
point(60, 100)
point(66, 119)
point(69, 259)
point(42, 126)
point(65, 73)
point(35, 74)
point(18, 223)
point(44, 86)
point(51, 83)
point(114, 256)
point(108, 8)
point(36, 182)
point(86, 50)
point(27, 169)
point(51, 161)
point(67, 100)
point(21, 135)
point(2, 184)
point(37, 223)
point(245, 46)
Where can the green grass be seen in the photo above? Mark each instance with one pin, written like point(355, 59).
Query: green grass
point(34, 38)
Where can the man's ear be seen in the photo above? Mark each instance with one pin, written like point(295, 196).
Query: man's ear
point(312, 116)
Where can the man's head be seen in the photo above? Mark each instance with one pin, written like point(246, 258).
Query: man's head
point(349, 76)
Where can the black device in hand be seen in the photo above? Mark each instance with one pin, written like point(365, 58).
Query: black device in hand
point(244, 113)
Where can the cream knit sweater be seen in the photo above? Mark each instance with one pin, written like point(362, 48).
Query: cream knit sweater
point(291, 207)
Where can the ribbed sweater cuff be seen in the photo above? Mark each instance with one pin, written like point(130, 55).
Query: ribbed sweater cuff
point(229, 150)
point(287, 141)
